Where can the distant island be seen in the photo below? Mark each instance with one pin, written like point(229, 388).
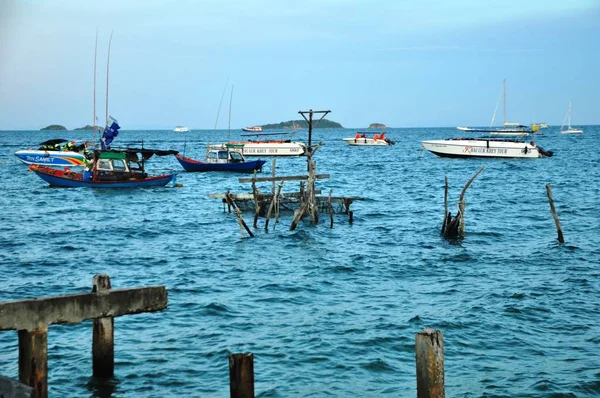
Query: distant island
point(88, 127)
point(377, 126)
point(54, 127)
point(302, 124)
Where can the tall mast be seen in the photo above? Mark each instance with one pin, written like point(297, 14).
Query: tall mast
point(229, 128)
point(504, 102)
point(95, 58)
point(107, 70)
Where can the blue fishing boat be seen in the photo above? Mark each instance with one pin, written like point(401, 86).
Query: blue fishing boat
point(112, 168)
point(55, 153)
point(222, 158)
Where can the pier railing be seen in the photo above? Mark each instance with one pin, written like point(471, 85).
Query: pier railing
point(31, 318)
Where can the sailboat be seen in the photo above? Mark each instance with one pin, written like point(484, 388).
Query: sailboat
point(569, 130)
point(508, 129)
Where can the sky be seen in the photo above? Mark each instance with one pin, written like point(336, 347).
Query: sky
point(404, 63)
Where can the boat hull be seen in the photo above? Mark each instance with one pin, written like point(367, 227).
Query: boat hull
point(571, 131)
point(242, 167)
point(271, 148)
point(65, 179)
point(51, 158)
point(465, 148)
point(366, 142)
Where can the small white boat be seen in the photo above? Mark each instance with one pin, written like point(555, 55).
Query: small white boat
point(569, 130)
point(485, 148)
point(52, 153)
point(181, 129)
point(253, 129)
point(363, 141)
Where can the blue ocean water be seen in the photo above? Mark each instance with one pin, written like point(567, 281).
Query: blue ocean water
point(326, 312)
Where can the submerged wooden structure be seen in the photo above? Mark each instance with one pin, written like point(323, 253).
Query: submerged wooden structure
point(307, 201)
point(455, 227)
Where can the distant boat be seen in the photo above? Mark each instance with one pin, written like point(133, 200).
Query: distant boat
point(508, 129)
point(569, 130)
point(485, 148)
point(221, 158)
point(253, 129)
point(361, 139)
point(181, 129)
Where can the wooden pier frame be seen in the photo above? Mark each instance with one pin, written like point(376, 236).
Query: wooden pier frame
point(32, 317)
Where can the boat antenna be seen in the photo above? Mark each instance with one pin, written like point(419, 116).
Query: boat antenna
point(95, 58)
point(229, 128)
point(107, 70)
point(220, 103)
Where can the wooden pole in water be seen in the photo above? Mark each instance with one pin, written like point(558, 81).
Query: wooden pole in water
point(273, 174)
point(33, 360)
point(429, 352)
point(561, 239)
point(272, 205)
point(330, 208)
point(445, 204)
point(241, 375)
point(238, 214)
point(103, 346)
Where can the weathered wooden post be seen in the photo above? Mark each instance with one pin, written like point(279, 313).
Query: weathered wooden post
point(455, 227)
point(33, 360)
point(561, 238)
point(241, 375)
point(429, 352)
point(103, 346)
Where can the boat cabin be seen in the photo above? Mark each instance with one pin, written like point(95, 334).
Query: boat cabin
point(224, 156)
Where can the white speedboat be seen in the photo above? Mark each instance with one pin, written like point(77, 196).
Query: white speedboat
point(272, 148)
point(181, 129)
point(253, 129)
point(367, 141)
point(55, 153)
point(485, 148)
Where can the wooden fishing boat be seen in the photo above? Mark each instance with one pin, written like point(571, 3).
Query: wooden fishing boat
point(364, 141)
point(485, 148)
point(115, 168)
point(221, 158)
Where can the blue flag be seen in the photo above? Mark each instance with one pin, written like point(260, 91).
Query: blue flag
point(110, 132)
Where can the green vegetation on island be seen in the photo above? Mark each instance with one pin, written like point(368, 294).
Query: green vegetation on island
point(88, 127)
point(54, 127)
point(377, 126)
point(302, 124)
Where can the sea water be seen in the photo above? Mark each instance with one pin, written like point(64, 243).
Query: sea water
point(326, 312)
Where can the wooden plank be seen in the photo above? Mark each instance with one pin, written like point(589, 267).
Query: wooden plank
point(429, 352)
point(36, 314)
point(284, 178)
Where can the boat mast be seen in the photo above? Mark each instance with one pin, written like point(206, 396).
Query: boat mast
point(221, 102)
point(504, 122)
point(95, 58)
point(229, 128)
point(107, 70)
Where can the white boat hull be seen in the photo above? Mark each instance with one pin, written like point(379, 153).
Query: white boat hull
point(510, 133)
point(274, 148)
point(51, 158)
point(462, 148)
point(571, 131)
point(365, 142)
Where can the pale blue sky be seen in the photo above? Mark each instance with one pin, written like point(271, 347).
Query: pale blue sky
point(404, 63)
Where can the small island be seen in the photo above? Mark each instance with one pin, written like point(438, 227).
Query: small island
point(377, 126)
point(302, 124)
point(88, 127)
point(54, 127)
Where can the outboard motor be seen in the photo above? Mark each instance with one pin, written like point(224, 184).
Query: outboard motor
point(544, 152)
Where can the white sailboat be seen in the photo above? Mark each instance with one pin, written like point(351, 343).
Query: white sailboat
point(508, 129)
point(569, 130)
